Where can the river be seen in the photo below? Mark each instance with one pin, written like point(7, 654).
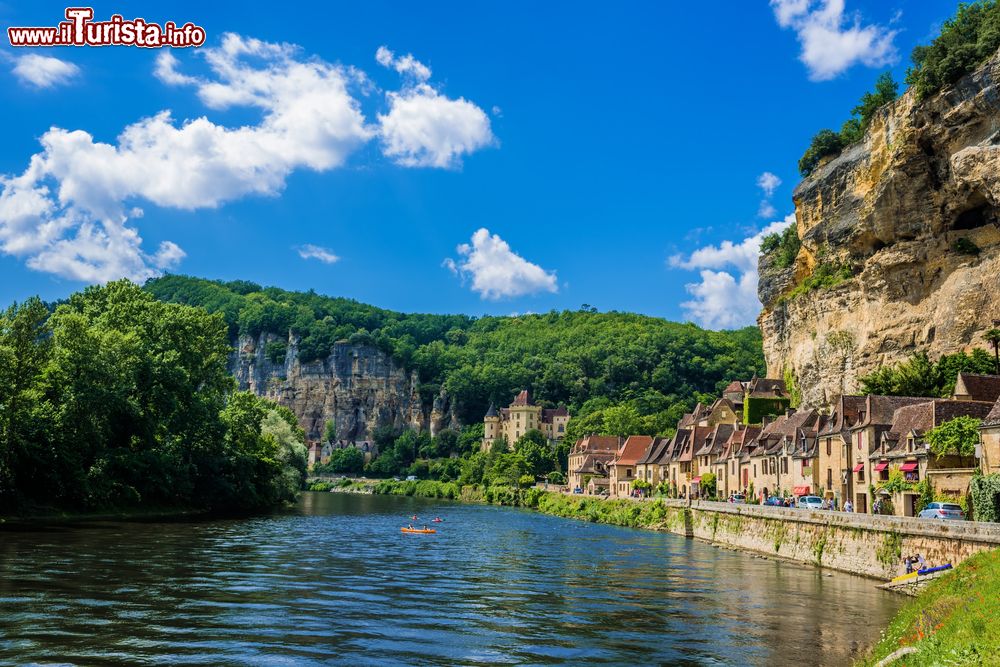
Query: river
point(335, 582)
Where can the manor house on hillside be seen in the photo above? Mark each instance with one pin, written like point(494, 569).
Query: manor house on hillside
point(520, 417)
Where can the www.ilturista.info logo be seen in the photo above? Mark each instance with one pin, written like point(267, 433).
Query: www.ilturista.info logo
point(81, 30)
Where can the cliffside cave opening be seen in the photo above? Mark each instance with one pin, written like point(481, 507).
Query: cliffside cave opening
point(978, 213)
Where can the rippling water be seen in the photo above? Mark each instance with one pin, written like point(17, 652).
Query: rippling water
point(336, 582)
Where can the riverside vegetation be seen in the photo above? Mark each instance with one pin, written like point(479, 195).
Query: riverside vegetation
point(113, 400)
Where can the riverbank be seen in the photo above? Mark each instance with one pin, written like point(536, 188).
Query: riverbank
point(51, 516)
point(952, 622)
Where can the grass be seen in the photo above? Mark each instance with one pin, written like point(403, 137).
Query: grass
point(953, 622)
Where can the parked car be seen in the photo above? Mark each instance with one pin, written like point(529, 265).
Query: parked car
point(738, 499)
point(411, 478)
point(578, 490)
point(811, 503)
point(942, 511)
point(775, 501)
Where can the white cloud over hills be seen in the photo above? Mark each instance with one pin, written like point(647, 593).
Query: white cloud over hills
point(69, 212)
point(726, 295)
point(496, 272)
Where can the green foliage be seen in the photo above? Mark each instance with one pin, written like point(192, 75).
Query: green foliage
point(782, 247)
point(346, 461)
point(965, 246)
point(825, 276)
point(276, 350)
point(926, 490)
point(708, 485)
point(117, 400)
point(568, 357)
point(896, 483)
point(794, 393)
point(886, 90)
point(827, 143)
point(537, 454)
point(824, 143)
point(952, 621)
point(955, 437)
point(755, 409)
point(556, 477)
point(985, 493)
point(919, 376)
point(966, 40)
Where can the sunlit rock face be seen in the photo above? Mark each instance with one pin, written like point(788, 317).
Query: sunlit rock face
point(892, 207)
point(358, 387)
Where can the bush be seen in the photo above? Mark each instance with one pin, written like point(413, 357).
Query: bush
point(824, 144)
point(985, 492)
point(782, 246)
point(965, 246)
point(824, 276)
point(275, 351)
point(965, 41)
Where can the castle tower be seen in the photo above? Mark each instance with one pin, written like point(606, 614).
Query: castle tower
point(491, 427)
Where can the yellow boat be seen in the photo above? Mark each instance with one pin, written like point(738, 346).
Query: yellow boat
point(904, 577)
point(420, 531)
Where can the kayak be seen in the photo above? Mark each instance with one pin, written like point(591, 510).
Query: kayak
point(904, 577)
point(421, 531)
point(939, 568)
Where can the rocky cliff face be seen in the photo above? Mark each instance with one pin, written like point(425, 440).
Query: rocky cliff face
point(358, 387)
point(891, 208)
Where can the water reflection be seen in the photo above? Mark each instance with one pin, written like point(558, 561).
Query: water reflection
point(335, 582)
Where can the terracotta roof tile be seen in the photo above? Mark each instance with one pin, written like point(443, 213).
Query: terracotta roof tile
point(633, 449)
point(979, 387)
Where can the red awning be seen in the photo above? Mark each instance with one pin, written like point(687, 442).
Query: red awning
point(800, 491)
point(879, 467)
point(909, 466)
point(859, 467)
point(696, 480)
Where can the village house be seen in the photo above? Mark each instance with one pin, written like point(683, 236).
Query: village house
point(805, 459)
point(903, 452)
point(711, 449)
point(976, 387)
point(833, 465)
point(874, 419)
point(589, 459)
point(737, 478)
point(521, 416)
point(622, 469)
point(646, 467)
point(989, 434)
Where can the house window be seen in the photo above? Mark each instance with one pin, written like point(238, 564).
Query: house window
point(754, 469)
point(561, 429)
point(628, 472)
point(829, 450)
point(861, 475)
point(784, 465)
point(829, 479)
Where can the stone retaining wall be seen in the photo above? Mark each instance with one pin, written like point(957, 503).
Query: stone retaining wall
point(873, 546)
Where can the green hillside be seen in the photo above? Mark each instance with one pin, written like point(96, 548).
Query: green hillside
point(584, 359)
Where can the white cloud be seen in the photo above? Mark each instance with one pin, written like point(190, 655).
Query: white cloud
point(832, 42)
point(768, 182)
point(766, 209)
point(68, 213)
point(310, 251)
point(407, 65)
point(498, 272)
point(726, 296)
point(424, 128)
point(43, 71)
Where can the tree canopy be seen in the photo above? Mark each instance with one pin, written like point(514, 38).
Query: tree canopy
point(115, 399)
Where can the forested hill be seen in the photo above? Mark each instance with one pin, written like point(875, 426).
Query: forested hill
point(584, 359)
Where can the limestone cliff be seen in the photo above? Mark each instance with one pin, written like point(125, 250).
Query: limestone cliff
point(359, 387)
point(891, 209)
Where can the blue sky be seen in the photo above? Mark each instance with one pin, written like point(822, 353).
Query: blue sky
point(623, 155)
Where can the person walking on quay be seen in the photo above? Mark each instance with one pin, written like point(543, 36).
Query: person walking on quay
point(848, 506)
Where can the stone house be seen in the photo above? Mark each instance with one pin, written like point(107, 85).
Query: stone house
point(976, 387)
point(835, 472)
point(646, 467)
point(989, 435)
point(805, 460)
point(622, 469)
point(737, 478)
point(902, 448)
point(708, 450)
point(589, 457)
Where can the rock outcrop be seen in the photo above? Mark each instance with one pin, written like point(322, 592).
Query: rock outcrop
point(891, 209)
point(358, 387)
